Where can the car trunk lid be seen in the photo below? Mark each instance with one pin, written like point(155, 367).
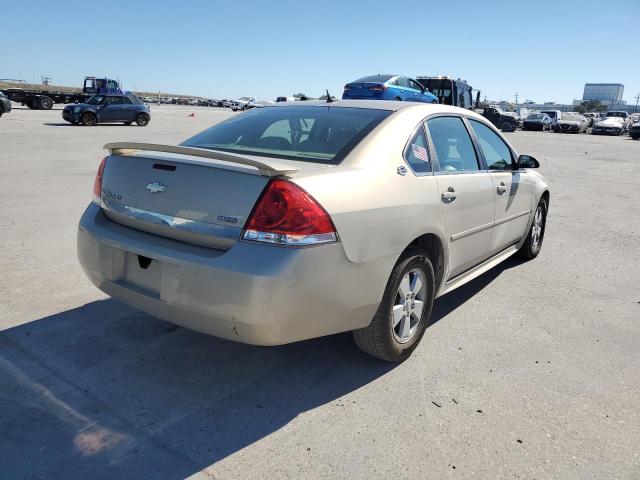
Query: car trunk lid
point(190, 194)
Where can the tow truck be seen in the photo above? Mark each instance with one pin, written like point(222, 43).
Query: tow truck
point(43, 99)
point(457, 93)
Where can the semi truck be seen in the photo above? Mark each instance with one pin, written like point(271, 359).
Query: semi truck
point(457, 93)
point(45, 98)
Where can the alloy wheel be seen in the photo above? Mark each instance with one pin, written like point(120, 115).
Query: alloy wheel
point(406, 313)
point(536, 231)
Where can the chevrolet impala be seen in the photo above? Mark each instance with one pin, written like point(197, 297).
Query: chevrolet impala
point(301, 220)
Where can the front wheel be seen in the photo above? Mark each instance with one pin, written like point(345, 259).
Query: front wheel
point(404, 312)
point(506, 127)
point(88, 119)
point(142, 119)
point(533, 243)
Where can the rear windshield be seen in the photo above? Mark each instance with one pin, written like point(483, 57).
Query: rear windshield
point(374, 78)
point(535, 116)
point(321, 134)
point(617, 114)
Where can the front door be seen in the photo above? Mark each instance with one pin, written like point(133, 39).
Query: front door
point(466, 193)
point(512, 189)
point(112, 109)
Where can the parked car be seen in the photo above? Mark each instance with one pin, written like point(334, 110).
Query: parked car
point(614, 123)
point(5, 104)
point(537, 121)
point(571, 123)
point(554, 115)
point(505, 121)
point(388, 87)
point(108, 109)
point(243, 103)
point(297, 221)
point(634, 129)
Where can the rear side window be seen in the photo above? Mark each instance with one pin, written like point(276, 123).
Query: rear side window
point(417, 154)
point(495, 151)
point(321, 134)
point(453, 145)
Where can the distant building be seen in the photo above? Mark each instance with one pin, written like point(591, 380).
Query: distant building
point(607, 93)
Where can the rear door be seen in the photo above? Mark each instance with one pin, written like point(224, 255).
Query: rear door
point(512, 188)
point(466, 193)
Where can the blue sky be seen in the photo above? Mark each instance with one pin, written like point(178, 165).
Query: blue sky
point(544, 50)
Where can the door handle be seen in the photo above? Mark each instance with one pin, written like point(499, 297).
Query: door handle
point(449, 196)
point(501, 189)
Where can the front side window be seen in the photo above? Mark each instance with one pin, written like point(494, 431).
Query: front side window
point(114, 101)
point(96, 100)
point(496, 153)
point(322, 134)
point(417, 154)
point(453, 145)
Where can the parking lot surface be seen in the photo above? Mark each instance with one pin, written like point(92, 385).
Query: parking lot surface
point(530, 371)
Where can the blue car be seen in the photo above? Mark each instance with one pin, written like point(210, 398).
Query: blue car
point(388, 87)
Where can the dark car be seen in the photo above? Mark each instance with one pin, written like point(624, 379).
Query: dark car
point(634, 129)
point(537, 121)
point(388, 87)
point(108, 109)
point(5, 104)
point(505, 121)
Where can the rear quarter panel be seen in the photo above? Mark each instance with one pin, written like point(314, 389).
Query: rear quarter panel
point(378, 212)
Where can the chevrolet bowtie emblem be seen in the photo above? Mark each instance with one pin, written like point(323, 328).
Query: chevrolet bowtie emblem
point(156, 187)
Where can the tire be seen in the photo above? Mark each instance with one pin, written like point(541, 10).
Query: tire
point(635, 137)
point(46, 103)
point(142, 119)
point(532, 245)
point(393, 343)
point(1, 110)
point(88, 119)
point(398, 99)
point(506, 126)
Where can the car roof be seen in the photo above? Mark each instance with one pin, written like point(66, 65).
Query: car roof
point(390, 105)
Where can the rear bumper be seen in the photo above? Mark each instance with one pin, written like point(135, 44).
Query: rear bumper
point(251, 293)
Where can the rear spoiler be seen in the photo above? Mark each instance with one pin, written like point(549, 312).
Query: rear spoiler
point(271, 169)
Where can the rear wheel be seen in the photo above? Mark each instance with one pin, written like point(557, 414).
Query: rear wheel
point(142, 119)
point(1, 110)
point(635, 137)
point(46, 103)
point(533, 243)
point(88, 119)
point(398, 99)
point(404, 312)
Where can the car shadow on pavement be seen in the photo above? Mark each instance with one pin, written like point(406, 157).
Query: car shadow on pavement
point(64, 124)
point(104, 391)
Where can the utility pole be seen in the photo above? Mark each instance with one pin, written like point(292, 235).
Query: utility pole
point(637, 97)
point(516, 99)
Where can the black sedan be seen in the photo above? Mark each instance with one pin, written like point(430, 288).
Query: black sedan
point(108, 109)
point(5, 104)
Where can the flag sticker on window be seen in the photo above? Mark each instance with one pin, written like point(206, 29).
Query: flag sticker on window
point(420, 152)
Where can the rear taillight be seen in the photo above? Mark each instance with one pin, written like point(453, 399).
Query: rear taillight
point(347, 87)
point(287, 215)
point(378, 88)
point(97, 183)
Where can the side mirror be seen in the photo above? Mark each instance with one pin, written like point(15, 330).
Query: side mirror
point(527, 161)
